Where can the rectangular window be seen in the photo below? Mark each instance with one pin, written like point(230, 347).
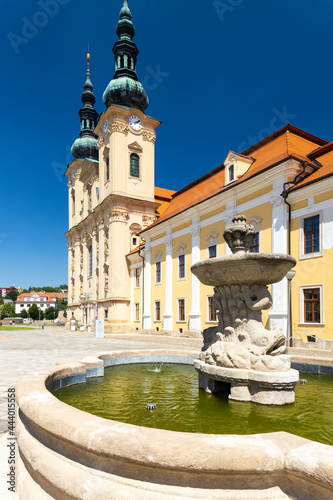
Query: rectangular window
point(106, 313)
point(90, 261)
point(181, 309)
point(181, 266)
point(312, 305)
point(107, 162)
point(254, 247)
point(137, 278)
point(211, 310)
point(137, 311)
point(157, 310)
point(158, 272)
point(311, 234)
point(212, 251)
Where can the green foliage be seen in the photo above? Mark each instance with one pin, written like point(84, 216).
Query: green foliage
point(1, 301)
point(6, 310)
point(12, 295)
point(51, 313)
point(65, 314)
point(24, 314)
point(33, 312)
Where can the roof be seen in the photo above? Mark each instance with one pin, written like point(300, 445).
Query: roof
point(48, 295)
point(163, 196)
point(322, 173)
point(288, 142)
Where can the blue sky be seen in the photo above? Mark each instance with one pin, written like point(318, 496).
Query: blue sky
point(220, 75)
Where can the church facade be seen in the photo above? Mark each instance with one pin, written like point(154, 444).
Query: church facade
point(131, 245)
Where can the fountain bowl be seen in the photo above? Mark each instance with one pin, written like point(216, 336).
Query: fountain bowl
point(243, 269)
point(68, 453)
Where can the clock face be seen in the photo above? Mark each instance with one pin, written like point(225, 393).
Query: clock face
point(106, 124)
point(135, 122)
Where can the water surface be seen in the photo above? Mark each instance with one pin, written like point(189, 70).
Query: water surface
point(124, 391)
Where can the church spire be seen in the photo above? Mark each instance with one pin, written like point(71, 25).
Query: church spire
point(125, 89)
point(86, 146)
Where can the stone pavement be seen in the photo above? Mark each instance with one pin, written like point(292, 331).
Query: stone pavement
point(22, 352)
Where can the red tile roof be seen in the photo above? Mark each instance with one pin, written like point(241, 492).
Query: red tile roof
point(288, 142)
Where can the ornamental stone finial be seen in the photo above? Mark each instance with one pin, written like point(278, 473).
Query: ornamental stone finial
point(239, 235)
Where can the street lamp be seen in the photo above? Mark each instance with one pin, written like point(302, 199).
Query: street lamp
point(290, 275)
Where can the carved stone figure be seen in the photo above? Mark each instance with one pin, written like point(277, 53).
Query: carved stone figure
point(240, 341)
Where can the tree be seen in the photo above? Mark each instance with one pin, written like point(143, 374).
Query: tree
point(12, 295)
point(33, 312)
point(24, 313)
point(1, 301)
point(7, 310)
point(51, 313)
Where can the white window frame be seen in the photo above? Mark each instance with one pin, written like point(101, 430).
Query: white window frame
point(301, 305)
point(158, 259)
point(155, 319)
point(312, 255)
point(136, 278)
point(212, 241)
point(255, 222)
point(178, 319)
point(135, 310)
point(207, 311)
point(181, 251)
point(227, 172)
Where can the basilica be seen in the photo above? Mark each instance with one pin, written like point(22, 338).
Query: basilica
point(131, 244)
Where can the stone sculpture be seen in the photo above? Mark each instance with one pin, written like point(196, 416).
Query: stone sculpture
point(240, 341)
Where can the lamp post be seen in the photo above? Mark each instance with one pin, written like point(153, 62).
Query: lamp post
point(290, 275)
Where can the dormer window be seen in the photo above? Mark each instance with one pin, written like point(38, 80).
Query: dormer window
point(235, 166)
point(231, 172)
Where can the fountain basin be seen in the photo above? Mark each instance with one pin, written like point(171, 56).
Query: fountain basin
point(65, 452)
point(243, 269)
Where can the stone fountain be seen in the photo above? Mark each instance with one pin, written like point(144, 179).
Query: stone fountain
point(239, 355)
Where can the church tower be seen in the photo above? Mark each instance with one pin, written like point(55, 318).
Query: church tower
point(111, 182)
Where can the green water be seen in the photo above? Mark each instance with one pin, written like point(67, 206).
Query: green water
point(124, 391)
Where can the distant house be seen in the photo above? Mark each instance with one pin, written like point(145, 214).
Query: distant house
point(42, 299)
point(4, 290)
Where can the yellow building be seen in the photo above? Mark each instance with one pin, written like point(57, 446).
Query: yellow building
point(131, 245)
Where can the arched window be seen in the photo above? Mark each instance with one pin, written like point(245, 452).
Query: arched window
point(135, 166)
point(231, 172)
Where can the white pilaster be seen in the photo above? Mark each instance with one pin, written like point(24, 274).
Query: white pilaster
point(279, 314)
point(146, 318)
point(168, 315)
point(195, 313)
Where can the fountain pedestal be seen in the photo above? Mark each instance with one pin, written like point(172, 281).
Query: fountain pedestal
point(267, 388)
point(240, 355)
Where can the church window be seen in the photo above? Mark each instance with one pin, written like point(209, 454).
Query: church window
point(107, 162)
point(90, 260)
point(134, 241)
point(135, 166)
point(73, 202)
point(106, 313)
